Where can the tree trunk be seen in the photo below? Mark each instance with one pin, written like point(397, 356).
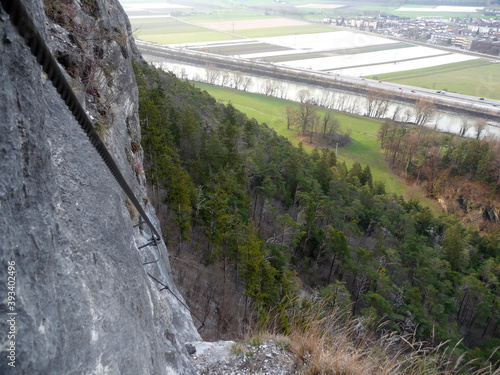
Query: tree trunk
point(461, 305)
point(331, 268)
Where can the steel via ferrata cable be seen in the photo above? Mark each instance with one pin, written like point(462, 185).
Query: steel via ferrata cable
point(28, 31)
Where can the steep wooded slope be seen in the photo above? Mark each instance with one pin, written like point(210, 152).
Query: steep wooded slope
point(254, 220)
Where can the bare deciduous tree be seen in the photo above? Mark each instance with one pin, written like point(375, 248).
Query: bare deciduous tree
point(225, 78)
point(330, 125)
point(407, 115)
point(479, 127)
point(466, 125)
point(238, 80)
point(340, 104)
point(281, 90)
point(213, 73)
point(397, 113)
point(269, 87)
point(304, 95)
point(333, 101)
point(325, 99)
point(246, 83)
point(424, 111)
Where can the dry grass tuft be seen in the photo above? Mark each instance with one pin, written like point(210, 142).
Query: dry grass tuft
point(338, 344)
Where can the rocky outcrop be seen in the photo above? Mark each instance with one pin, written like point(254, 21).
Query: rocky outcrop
point(269, 357)
point(83, 301)
point(472, 201)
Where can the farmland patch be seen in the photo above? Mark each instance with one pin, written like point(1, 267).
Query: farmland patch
point(254, 24)
point(164, 37)
point(478, 78)
point(348, 61)
point(403, 65)
point(337, 40)
point(166, 26)
point(458, 9)
point(240, 49)
point(292, 55)
point(222, 15)
point(284, 31)
point(320, 6)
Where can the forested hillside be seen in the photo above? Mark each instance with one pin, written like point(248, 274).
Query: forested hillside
point(272, 222)
point(463, 174)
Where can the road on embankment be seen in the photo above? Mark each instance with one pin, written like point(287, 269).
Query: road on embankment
point(458, 104)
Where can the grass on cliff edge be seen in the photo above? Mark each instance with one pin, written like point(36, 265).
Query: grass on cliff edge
point(326, 340)
point(363, 148)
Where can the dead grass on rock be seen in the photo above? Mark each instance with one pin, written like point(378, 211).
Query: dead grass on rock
point(338, 344)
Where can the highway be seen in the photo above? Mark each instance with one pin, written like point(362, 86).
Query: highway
point(449, 102)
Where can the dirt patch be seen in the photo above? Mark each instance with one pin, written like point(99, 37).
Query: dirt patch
point(254, 24)
point(368, 134)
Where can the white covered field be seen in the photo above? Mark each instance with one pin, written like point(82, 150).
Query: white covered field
point(404, 65)
point(320, 6)
point(380, 62)
point(358, 64)
point(345, 61)
point(331, 41)
point(441, 8)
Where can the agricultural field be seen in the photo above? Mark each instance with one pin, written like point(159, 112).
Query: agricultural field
point(233, 49)
point(477, 77)
point(343, 52)
point(354, 9)
point(320, 6)
point(296, 43)
point(379, 62)
point(411, 11)
point(171, 30)
point(404, 63)
point(285, 30)
point(440, 9)
point(217, 25)
point(250, 24)
point(290, 42)
point(140, 9)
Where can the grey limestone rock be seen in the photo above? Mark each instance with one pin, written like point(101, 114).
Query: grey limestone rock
point(84, 302)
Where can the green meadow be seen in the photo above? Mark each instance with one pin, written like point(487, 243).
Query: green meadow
point(222, 15)
point(364, 147)
point(164, 36)
point(475, 77)
point(283, 31)
point(184, 30)
point(173, 31)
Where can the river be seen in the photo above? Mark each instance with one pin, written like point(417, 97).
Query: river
point(336, 100)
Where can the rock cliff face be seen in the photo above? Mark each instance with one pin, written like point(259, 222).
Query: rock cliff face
point(84, 302)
